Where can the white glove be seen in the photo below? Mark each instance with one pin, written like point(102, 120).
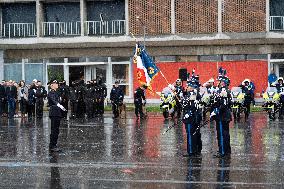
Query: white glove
point(186, 116)
point(171, 86)
point(61, 107)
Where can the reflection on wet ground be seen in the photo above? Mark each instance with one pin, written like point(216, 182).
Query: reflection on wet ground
point(129, 153)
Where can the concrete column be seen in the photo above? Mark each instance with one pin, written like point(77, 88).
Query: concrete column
point(66, 71)
point(220, 2)
point(131, 76)
point(83, 16)
point(267, 15)
point(23, 69)
point(1, 22)
point(173, 17)
point(39, 17)
point(126, 18)
point(109, 76)
point(1, 65)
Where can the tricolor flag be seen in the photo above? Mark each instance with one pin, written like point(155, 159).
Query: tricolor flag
point(146, 68)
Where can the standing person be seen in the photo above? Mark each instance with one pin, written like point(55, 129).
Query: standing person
point(40, 95)
point(191, 119)
point(102, 93)
point(73, 99)
point(222, 115)
point(280, 90)
point(64, 94)
point(247, 90)
point(139, 100)
point(81, 109)
point(2, 97)
point(23, 95)
point(11, 94)
point(55, 114)
point(116, 97)
point(31, 100)
point(89, 98)
point(96, 97)
point(179, 90)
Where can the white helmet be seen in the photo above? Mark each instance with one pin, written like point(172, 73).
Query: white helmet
point(178, 80)
point(211, 80)
point(280, 78)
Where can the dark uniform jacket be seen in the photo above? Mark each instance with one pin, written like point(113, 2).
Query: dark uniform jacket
point(73, 94)
point(41, 93)
point(2, 92)
point(223, 105)
point(139, 95)
point(191, 108)
point(11, 92)
point(116, 95)
point(53, 100)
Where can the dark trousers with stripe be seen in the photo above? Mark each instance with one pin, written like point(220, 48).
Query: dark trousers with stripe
point(194, 143)
point(223, 137)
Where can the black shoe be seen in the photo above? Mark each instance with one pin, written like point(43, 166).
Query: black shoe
point(55, 150)
point(219, 155)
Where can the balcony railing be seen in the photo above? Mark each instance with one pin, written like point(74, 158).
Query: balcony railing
point(114, 27)
point(19, 30)
point(61, 28)
point(276, 23)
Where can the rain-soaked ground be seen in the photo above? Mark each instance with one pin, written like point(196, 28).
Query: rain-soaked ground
point(108, 153)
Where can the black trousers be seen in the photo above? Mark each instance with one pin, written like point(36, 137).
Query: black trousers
point(23, 106)
point(89, 107)
point(194, 142)
point(31, 110)
point(73, 106)
point(138, 109)
point(223, 137)
point(55, 123)
point(2, 107)
point(115, 110)
point(101, 106)
point(65, 105)
point(39, 108)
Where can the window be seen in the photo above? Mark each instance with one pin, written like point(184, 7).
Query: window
point(233, 57)
point(98, 59)
point(120, 73)
point(209, 58)
point(165, 59)
point(256, 57)
point(56, 60)
point(13, 72)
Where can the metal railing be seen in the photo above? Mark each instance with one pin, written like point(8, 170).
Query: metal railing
point(276, 23)
point(61, 28)
point(12, 30)
point(114, 27)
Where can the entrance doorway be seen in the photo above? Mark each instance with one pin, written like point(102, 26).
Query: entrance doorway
point(76, 73)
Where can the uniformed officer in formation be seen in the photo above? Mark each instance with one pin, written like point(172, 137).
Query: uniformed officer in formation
point(179, 91)
point(248, 91)
point(89, 99)
point(139, 101)
point(40, 95)
point(64, 94)
point(116, 97)
point(101, 95)
point(192, 118)
point(222, 116)
point(56, 110)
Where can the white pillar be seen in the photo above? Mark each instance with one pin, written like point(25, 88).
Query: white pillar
point(66, 71)
point(83, 16)
point(1, 34)
point(220, 2)
point(1, 65)
point(267, 16)
point(109, 76)
point(269, 65)
point(39, 17)
point(131, 76)
point(23, 69)
point(173, 17)
point(126, 18)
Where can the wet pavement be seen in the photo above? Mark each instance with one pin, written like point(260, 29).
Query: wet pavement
point(129, 153)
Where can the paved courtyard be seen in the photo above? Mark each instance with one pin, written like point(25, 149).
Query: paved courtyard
point(129, 153)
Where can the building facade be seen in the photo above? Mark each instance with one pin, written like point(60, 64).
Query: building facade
point(72, 39)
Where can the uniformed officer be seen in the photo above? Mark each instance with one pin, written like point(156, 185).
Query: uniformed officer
point(116, 97)
point(280, 90)
point(247, 90)
point(64, 94)
point(101, 95)
point(31, 101)
point(222, 115)
point(81, 108)
point(89, 100)
point(40, 95)
point(2, 97)
point(139, 100)
point(11, 95)
point(55, 114)
point(73, 99)
point(179, 90)
point(192, 118)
